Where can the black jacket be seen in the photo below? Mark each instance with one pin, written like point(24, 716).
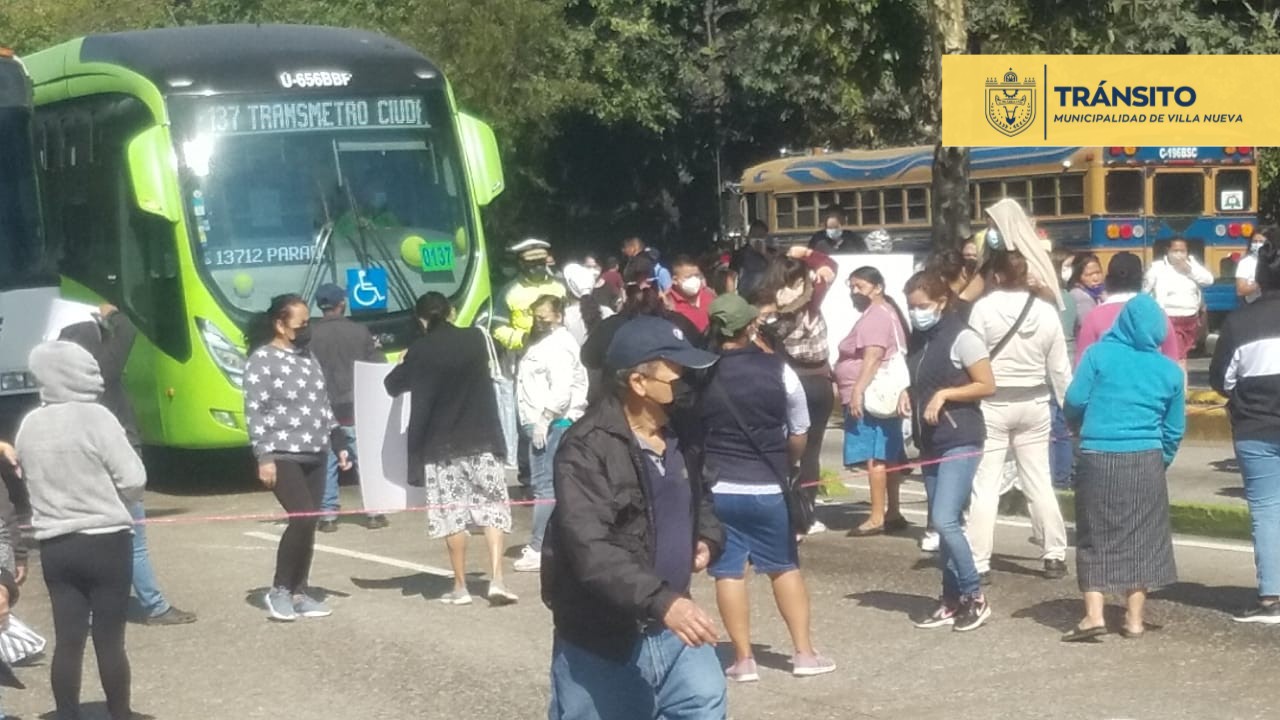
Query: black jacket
point(849, 243)
point(110, 343)
point(1246, 368)
point(453, 412)
point(598, 574)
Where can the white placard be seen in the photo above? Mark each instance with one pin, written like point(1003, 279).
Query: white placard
point(65, 313)
point(837, 308)
point(1231, 200)
point(381, 443)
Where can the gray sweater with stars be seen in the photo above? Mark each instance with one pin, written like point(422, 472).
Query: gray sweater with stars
point(285, 403)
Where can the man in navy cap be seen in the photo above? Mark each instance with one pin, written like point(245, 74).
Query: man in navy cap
point(633, 522)
point(337, 343)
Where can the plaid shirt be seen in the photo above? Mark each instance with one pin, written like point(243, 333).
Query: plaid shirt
point(805, 339)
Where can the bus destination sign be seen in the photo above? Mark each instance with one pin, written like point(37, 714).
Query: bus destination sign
point(255, 117)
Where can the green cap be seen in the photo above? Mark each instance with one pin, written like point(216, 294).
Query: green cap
point(732, 313)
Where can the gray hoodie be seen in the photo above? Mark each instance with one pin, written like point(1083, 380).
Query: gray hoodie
point(79, 466)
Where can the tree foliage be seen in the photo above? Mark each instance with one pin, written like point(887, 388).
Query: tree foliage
point(619, 116)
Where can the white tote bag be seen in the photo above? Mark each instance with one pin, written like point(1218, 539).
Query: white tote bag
point(19, 643)
point(884, 392)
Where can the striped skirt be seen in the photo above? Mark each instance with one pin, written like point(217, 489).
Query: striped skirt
point(1123, 537)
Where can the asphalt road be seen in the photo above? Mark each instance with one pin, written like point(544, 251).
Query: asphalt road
point(391, 651)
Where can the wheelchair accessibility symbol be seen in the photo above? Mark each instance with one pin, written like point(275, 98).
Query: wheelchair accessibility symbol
point(367, 288)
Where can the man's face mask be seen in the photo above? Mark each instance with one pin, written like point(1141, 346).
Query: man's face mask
point(834, 233)
point(534, 269)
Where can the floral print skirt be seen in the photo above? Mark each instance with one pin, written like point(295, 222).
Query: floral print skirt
point(464, 492)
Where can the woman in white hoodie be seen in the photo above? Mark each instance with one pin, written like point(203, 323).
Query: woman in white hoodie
point(1029, 358)
point(551, 390)
point(1175, 282)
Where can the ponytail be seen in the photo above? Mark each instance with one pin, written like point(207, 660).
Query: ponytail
point(262, 326)
point(433, 309)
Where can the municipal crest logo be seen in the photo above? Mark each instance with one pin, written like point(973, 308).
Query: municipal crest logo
point(1011, 103)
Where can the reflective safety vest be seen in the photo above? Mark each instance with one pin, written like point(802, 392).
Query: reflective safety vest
point(518, 302)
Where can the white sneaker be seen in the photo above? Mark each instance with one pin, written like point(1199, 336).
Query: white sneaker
point(530, 560)
point(929, 542)
point(816, 527)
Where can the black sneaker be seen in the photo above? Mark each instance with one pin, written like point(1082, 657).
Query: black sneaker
point(328, 526)
point(945, 614)
point(1055, 569)
point(1262, 613)
point(172, 616)
point(985, 578)
point(973, 613)
point(377, 522)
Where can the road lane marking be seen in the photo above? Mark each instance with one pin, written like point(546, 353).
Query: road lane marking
point(1178, 540)
point(369, 557)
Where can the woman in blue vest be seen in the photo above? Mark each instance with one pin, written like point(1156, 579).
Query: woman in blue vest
point(752, 439)
point(950, 373)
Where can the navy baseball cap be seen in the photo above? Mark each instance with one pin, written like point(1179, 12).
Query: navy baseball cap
point(330, 296)
point(645, 338)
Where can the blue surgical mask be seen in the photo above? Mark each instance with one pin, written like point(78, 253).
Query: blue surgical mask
point(924, 319)
point(834, 233)
point(994, 241)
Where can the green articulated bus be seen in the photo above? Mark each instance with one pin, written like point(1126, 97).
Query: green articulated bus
point(190, 174)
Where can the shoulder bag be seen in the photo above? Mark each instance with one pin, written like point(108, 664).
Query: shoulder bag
point(891, 379)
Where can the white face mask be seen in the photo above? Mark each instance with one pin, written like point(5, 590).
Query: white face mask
point(924, 318)
point(834, 233)
point(1066, 273)
point(1255, 247)
point(788, 295)
point(691, 285)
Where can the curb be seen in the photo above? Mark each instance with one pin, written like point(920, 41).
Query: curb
point(1224, 522)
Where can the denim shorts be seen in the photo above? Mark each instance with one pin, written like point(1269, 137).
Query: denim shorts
point(757, 530)
point(872, 438)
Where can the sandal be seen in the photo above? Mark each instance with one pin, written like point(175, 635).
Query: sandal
point(1128, 634)
point(862, 531)
point(897, 524)
point(1079, 634)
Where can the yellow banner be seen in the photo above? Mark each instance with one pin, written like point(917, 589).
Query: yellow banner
point(1028, 100)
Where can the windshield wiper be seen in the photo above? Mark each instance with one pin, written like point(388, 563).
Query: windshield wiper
point(400, 284)
point(315, 270)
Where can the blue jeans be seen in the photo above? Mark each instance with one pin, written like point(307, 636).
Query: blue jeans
point(1260, 465)
point(144, 577)
point(505, 391)
point(329, 503)
point(662, 679)
point(1062, 450)
point(541, 475)
point(949, 484)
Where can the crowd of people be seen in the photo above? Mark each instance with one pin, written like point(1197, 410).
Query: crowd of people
point(616, 386)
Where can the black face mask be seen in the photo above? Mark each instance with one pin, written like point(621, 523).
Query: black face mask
point(535, 271)
point(971, 265)
point(683, 394)
point(861, 302)
point(302, 337)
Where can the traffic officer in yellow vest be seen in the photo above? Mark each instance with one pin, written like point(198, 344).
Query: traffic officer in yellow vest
point(533, 282)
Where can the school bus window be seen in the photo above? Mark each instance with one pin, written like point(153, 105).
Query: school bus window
point(1071, 194)
point(786, 212)
point(870, 200)
point(1044, 196)
point(1179, 193)
point(893, 206)
point(826, 202)
point(1234, 190)
point(989, 193)
point(848, 202)
point(1017, 190)
point(806, 210)
point(749, 201)
point(918, 204)
point(1123, 190)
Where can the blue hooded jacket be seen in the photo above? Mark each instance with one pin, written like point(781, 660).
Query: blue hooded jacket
point(1126, 396)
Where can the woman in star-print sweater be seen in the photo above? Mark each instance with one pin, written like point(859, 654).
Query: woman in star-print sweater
point(291, 428)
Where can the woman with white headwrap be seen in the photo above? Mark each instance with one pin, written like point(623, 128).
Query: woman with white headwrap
point(1018, 318)
point(582, 311)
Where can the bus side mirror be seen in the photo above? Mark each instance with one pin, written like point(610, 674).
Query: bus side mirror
point(151, 165)
point(484, 165)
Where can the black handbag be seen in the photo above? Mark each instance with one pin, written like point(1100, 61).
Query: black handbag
point(799, 511)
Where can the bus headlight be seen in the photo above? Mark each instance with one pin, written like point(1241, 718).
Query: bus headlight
point(229, 358)
point(17, 380)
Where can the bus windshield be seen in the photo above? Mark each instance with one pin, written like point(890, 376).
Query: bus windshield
point(284, 194)
point(24, 263)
